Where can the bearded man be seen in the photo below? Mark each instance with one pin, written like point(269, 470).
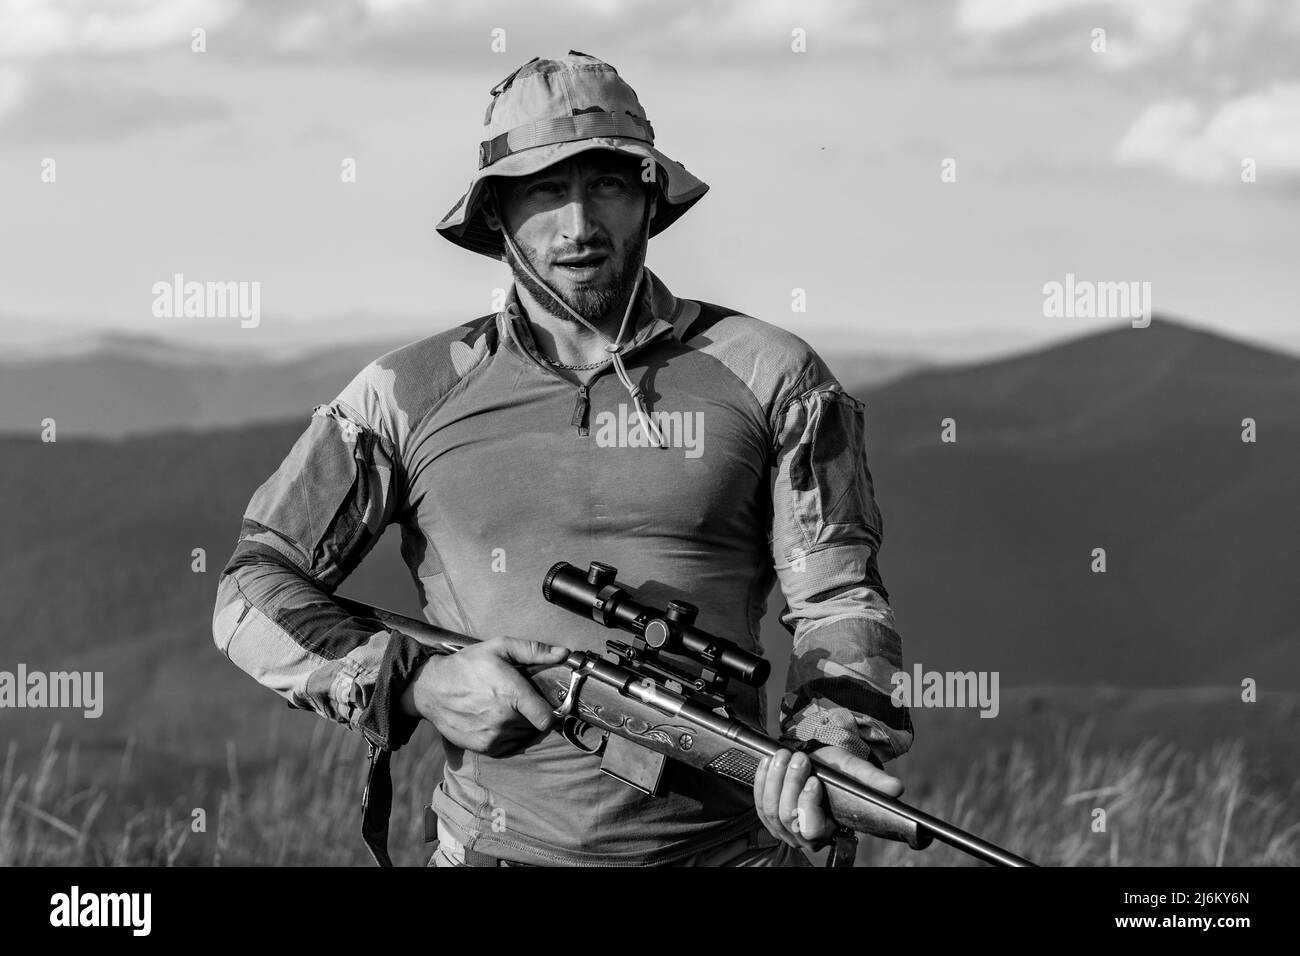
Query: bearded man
point(484, 445)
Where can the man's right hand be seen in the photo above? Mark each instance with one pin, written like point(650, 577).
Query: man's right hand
point(477, 698)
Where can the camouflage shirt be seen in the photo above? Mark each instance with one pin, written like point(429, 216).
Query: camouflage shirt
point(494, 467)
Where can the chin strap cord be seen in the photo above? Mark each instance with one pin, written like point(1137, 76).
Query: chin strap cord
point(615, 347)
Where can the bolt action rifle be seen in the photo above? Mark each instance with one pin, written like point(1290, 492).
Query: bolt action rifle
point(645, 710)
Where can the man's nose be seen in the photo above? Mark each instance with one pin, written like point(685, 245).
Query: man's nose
point(577, 222)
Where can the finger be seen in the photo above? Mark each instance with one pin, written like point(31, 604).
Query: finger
point(772, 794)
point(532, 706)
point(859, 769)
point(509, 741)
point(814, 825)
point(760, 784)
point(518, 651)
point(788, 803)
point(877, 779)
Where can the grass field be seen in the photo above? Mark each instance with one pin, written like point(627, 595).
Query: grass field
point(1164, 805)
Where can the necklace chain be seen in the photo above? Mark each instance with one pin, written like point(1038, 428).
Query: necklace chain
point(576, 368)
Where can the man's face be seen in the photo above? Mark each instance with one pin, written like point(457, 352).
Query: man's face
point(578, 224)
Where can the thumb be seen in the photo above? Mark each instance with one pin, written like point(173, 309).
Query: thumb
point(531, 652)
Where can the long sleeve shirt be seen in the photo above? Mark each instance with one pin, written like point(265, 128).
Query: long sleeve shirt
point(494, 467)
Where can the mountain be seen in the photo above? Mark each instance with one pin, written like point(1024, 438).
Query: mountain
point(276, 337)
point(117, 385)
point(1128, 440)
point(111, 385)
point(96, 575)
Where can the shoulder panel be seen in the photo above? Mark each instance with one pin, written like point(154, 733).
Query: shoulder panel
point(398, 389)
point(775, 364)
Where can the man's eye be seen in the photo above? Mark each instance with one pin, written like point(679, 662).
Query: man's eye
point(544, 188)
point(609, 182)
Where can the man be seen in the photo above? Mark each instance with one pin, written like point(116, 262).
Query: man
point(597, 416)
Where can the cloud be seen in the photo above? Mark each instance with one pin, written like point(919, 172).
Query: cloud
point(13, 87)
point(1215, 45)
point(985, 17)
point(410, 33)
point(1207, 145)
point(31, 29)
point(1204, 45)
point(46, 109)
point(387, 33)
point(1221, 75)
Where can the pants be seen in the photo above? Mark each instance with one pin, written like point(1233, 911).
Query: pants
point(755, 848)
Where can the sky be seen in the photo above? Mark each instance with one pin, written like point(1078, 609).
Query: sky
point(1122, 164)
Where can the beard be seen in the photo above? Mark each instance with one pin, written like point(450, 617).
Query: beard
point(593, 300)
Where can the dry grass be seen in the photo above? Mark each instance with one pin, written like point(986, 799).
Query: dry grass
point(1164, 806)
point(294, 812)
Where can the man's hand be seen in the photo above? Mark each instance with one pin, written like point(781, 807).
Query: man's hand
point(792, 803)
point(478, 699)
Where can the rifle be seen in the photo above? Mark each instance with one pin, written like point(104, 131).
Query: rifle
point(646, 710)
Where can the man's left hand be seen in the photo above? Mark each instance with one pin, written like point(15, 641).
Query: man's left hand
point(792, 803)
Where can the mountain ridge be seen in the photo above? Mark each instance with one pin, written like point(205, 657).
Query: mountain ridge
point(987, 550)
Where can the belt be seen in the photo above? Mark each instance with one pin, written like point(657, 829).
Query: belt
point(475, 858)
point(471, 857)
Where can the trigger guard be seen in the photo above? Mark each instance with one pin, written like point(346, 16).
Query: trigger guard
point(571, 730)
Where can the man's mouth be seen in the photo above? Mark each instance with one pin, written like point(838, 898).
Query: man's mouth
point(582, 265)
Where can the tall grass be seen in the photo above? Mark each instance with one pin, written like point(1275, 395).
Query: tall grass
point(1073, 803)
point(302, 809)
point(1162, 806)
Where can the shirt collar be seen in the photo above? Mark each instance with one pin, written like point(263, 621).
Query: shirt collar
point(657, 312)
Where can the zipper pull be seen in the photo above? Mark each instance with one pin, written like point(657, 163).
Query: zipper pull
point(579, 418)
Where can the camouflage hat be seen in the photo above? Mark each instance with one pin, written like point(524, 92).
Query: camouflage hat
point(547, 111)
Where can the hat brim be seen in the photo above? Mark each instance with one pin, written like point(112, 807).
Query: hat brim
point(467, 228)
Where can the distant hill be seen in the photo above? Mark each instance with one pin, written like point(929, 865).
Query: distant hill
point(1130, 441)
point(113, 385)
point(121, 385)
point(1127, 440)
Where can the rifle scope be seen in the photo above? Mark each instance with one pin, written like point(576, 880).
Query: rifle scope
point(596, 594)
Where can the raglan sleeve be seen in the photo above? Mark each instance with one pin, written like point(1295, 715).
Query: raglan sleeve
point(826, 537)
point(306, 528)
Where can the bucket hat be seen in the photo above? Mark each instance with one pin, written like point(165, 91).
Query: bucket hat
point(547, 111)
